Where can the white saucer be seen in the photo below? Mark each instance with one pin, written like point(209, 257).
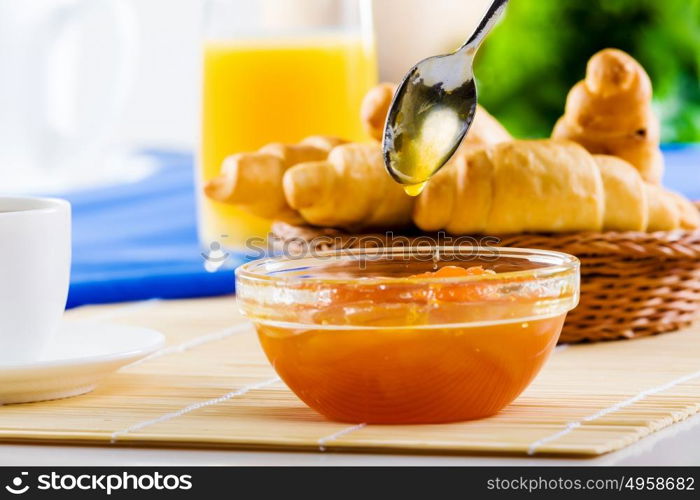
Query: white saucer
point(80, 356)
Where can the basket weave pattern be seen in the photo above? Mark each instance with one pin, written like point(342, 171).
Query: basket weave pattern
point(632, 283)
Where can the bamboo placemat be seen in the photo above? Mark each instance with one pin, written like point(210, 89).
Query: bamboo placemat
point(212, 387)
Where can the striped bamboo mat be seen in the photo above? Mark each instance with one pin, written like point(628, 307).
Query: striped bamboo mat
point(211, 386)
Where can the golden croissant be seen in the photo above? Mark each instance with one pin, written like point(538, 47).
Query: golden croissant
point(351, 190)
point(546, 186)
point(253, 181)
point(609, 112)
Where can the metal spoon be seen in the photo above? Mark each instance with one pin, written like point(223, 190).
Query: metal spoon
point(433, 109)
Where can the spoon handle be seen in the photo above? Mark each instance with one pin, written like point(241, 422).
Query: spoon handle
point(487, 23)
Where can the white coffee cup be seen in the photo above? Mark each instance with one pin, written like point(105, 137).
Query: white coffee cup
point(35, 256)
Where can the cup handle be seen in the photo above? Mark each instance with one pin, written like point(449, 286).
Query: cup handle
point(63, 143)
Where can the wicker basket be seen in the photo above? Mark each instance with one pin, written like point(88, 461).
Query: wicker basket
point(632, 284)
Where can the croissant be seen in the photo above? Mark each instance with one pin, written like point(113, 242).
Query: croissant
point(688, 214)
point(626, 199)
point(546, 186)
point(610, 113)
point(253, 181)
point(351, 190)
point(375, 107)
point(485, 129)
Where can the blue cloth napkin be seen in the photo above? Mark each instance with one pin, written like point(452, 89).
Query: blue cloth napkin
point(139, 241)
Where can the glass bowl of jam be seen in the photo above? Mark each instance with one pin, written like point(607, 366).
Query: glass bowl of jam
point(409, 335)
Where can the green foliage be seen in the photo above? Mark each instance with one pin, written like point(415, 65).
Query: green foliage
point(531, 60)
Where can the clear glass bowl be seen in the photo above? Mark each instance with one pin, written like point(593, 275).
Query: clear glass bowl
point(360, 338)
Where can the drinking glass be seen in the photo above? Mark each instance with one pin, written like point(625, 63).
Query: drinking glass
point(277, 71)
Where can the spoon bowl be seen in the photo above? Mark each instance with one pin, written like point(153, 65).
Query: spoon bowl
point(432, 110)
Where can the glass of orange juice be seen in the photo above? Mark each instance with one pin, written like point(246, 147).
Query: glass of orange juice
point(277, 71)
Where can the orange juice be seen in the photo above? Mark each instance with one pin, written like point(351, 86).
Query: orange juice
point(267, 90)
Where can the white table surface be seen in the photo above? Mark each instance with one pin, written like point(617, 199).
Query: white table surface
point(675, 445)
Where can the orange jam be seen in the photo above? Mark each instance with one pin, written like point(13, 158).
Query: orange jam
point(420, 361)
